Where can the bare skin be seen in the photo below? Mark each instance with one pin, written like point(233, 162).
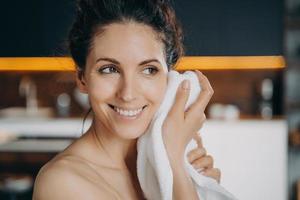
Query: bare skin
point(100, 180)
point(116, 183)
point(102, 163)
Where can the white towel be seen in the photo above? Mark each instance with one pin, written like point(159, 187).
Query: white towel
point(153, 167)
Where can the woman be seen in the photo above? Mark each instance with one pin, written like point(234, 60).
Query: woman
point(123, 50)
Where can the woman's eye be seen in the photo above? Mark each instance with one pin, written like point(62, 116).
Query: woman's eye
point(108, 70)
point(150, 70)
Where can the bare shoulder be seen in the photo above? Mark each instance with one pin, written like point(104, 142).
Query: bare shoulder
point(67, 178)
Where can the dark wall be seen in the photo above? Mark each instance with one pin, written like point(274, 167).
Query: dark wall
point(34, 27)
point(20, 28)
point(212, 27)
point(232, 27)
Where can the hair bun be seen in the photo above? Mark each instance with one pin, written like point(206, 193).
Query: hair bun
point(92, 15)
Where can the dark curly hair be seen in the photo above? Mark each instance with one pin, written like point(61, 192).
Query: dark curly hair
point(93, 15)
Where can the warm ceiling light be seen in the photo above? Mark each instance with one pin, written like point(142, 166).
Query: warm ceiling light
point(185, 63)
point(230, 62)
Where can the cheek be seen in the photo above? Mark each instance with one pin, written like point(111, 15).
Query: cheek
point(155, 90)
point(101, 89)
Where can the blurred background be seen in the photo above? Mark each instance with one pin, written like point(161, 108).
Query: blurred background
point(253, 126)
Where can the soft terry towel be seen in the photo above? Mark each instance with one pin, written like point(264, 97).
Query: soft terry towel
point(153, 167)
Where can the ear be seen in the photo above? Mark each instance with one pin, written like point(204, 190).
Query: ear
point(80, 81)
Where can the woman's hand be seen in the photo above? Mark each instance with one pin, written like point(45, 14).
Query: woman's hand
point(180, 126)
point(202, 162)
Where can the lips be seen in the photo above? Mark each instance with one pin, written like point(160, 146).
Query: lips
point(127, 112)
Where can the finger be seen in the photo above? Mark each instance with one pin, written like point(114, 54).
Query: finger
point(199, 123)
point(206, 162)
point(204, 97)
point(181, 98)
point(196, 154)
point(214, 173)
point(198, 140)
point(205, 94)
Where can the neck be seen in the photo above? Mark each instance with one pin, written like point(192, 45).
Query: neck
point(120, 153)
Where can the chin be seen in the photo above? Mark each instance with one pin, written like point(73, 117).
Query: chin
point(131, 132)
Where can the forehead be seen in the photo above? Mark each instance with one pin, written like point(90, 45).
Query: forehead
point(128, 41)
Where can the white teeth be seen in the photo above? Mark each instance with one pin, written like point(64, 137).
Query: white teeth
point(129, 113)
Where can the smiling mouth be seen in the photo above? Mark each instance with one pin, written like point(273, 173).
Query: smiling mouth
point(127, 113)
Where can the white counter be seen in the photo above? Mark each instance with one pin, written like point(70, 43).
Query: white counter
point(252, 156)
point(53, 127)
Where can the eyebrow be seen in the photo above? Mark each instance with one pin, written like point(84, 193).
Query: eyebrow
point(118, 63)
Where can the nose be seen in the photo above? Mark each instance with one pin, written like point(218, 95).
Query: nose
point(127, 89)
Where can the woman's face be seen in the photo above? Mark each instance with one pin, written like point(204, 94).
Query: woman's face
point(126, 78)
